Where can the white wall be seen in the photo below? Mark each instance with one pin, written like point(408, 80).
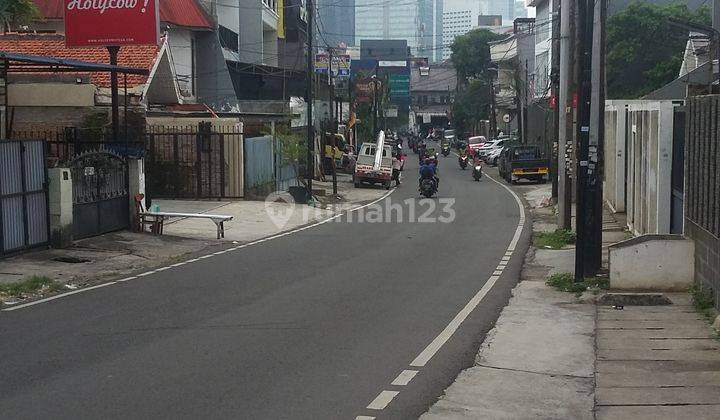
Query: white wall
point(181, 52)
point(638, 155)
point(642, 263)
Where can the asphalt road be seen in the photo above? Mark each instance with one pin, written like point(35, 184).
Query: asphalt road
point(312, 325)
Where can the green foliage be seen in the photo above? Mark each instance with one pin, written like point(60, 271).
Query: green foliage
point(565, 282)
point(471, 54)
point(293, 148)
point(703, 301)
point(555, 240)
point(644, 52)
point(17, 12)
point(471, 105)
point(33, 284)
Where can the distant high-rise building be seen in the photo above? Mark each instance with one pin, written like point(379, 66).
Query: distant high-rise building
point(459, 17)
point(420, 23)
point(504, 8)
point(336, 22)
point(455, 23)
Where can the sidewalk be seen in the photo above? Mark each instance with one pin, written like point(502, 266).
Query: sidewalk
point(553, 355)
point(114, 255)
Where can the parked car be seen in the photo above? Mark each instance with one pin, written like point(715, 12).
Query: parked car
point(493, 156)
point(523, 162)
point(490, 146)
point(475, 143)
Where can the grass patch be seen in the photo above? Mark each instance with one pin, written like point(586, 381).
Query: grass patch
point(554, 240)
point(703, 301)
point(565, 282)
point(30, 285)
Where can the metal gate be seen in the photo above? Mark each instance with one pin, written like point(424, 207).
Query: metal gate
point(24, 218)
point(100, 193)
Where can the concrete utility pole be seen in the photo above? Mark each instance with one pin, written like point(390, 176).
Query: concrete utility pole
point(555, 90)
point(564, 105)
point(597, 140)
point(310, 169)
point(591, 107)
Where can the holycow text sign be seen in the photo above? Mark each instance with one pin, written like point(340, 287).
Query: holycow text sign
point(99, 23)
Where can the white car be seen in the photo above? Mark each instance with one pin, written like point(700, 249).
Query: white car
point(492, 157)
point(489, 146)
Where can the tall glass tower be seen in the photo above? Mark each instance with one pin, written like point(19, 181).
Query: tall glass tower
point(419, 22)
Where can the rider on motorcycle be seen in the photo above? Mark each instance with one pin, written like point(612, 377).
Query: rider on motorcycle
point(428, 170)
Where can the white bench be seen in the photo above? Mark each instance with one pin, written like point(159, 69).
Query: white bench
point(160, 216)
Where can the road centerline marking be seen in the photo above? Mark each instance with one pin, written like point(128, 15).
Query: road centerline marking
point(382, 400)
point(404, 377)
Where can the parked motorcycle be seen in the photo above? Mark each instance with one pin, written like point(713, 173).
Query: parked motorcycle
point(477, 171)
point(428, 187)
point(463, 161)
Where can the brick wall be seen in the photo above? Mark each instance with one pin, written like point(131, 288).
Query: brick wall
point(707, 259)
point(702, 189)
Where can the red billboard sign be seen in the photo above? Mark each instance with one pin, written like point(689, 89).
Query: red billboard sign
point(90, 23)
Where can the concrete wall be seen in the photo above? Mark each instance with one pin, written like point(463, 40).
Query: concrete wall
point(638, 158)
point(182, 48)
point(51, 94)
point(652, 262)
point(61, 207)
point(706, 259)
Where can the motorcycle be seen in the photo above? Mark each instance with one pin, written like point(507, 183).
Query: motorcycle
point(463, 161)
point(477, 171)
point(445, 150)
point(428, 187)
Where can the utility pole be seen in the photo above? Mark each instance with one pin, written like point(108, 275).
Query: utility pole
point(114, 96)
point(584, 200)
point(565, 119)
point(555, 88)
point(375, 102)
point(333, 121)
point(595, 166)
point(493, 110)
point(310, 169)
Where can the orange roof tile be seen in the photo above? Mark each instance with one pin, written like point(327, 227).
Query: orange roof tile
point(53, 45)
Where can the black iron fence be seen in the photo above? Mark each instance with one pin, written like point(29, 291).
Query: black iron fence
point(194, 161)
point(63, 144)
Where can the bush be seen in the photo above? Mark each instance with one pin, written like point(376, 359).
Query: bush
point(554, 240)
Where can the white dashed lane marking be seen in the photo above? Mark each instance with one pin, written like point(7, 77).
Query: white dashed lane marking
point(404, 377)
point(382, 400)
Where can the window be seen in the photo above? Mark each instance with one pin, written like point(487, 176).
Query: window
point(228, 39)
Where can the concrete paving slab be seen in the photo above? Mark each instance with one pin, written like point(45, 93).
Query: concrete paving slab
point(657, 379)
point(559, 261)
point(649, 354)
point(542, 330)
point(607, 343)
point(654, 412)
point(485, 393)
point(648, 333)
point(657, 395)
point(646, 323)
point(644, 367)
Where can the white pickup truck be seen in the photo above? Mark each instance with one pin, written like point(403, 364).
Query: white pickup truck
point(372, 168)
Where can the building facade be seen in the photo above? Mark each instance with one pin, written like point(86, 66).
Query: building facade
point(420, 23)
point(336, 22)
point(459, 18)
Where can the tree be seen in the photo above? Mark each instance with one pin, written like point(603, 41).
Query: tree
point(644, 52)
point(16, 12)
point(471, 54)
point(470, 106)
